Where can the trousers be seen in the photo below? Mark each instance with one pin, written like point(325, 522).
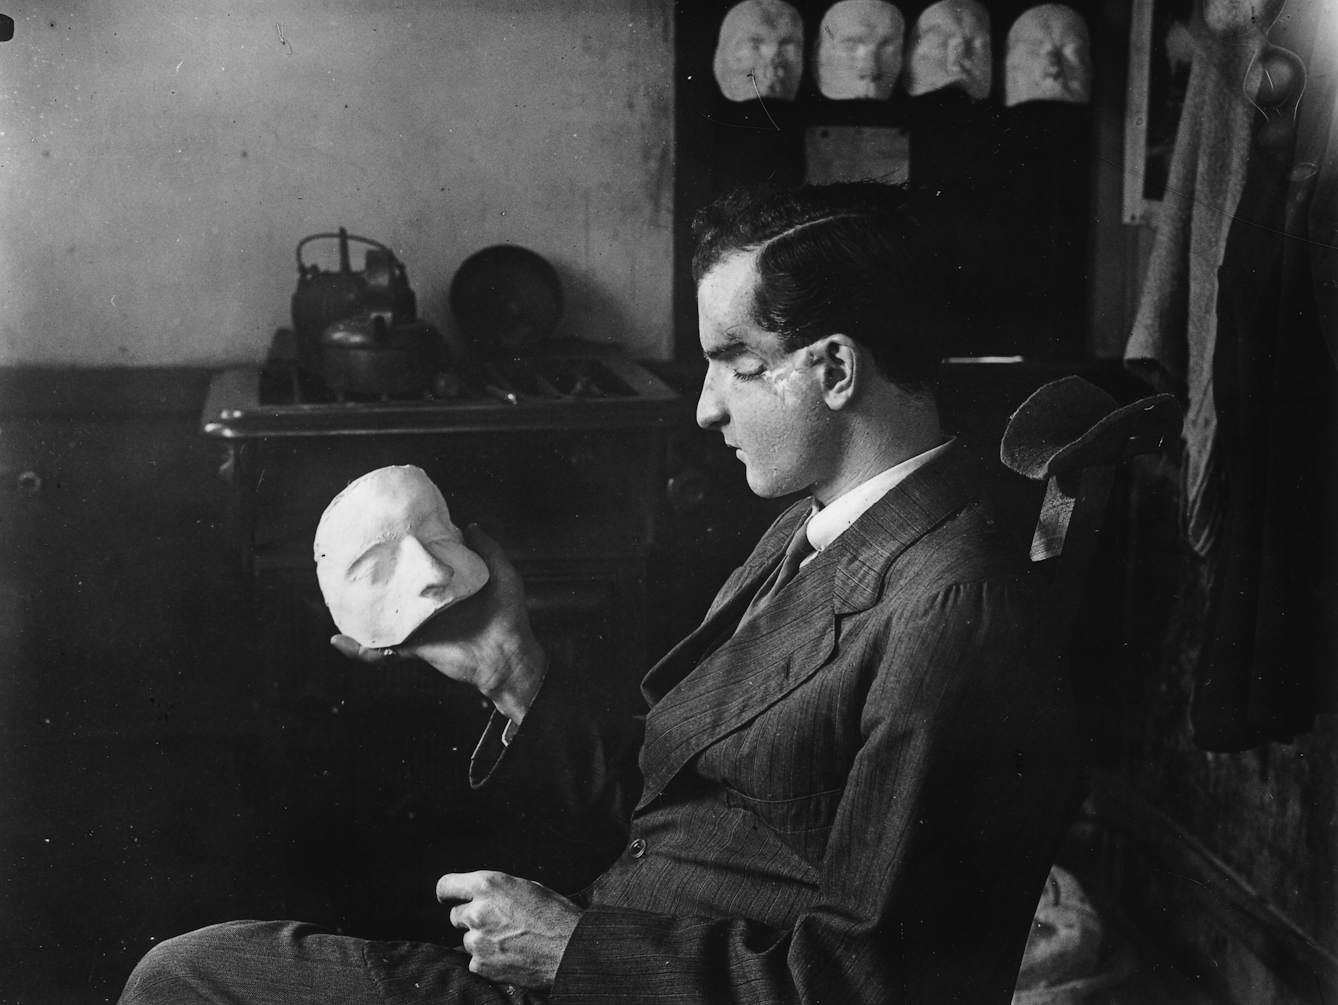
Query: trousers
point(291, 963)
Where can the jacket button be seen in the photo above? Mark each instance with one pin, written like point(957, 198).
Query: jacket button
point(638, 848)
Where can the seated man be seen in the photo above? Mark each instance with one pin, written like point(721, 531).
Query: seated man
point(851, 778)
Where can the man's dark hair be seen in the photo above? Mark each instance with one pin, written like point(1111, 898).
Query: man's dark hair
point(856, 258)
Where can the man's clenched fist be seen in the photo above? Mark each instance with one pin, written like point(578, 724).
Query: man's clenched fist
point(515, 930)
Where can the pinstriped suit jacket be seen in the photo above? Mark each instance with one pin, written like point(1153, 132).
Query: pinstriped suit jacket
point(855, 798)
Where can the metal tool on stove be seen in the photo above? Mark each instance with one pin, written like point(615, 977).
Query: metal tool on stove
point(359, 331)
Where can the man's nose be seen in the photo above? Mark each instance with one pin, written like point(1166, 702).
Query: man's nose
point(711, 413)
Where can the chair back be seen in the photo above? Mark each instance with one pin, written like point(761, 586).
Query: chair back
point(1071, 434)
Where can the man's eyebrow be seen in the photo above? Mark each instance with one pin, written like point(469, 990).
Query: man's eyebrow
point(728, 348)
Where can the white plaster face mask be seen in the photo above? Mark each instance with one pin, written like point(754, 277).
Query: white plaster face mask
point(859, 50)
point(951, 47)
point(760, 52)
point(1049, 57)
point(388, 556)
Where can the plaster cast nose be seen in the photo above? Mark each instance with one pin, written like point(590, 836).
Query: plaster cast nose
point(861, 61)
point(437, 574)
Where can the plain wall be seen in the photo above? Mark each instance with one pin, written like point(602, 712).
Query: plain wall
point(160, 162)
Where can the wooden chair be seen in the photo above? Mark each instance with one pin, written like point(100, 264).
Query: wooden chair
point(1071, 434)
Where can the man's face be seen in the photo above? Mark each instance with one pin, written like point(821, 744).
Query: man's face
point(761, 51)
point(859, 50)
point(951, 47)
point(388, 556)
point(1048, 57)
point(766, 402)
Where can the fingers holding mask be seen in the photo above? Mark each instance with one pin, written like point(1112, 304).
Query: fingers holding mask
point(355, 650)
point(483, 639)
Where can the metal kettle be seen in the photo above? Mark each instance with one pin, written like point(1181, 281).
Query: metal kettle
point(323, 298)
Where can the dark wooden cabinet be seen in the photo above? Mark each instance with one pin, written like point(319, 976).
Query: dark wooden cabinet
point(126, 751)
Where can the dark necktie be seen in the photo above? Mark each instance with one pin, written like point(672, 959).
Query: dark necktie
point(796, 551)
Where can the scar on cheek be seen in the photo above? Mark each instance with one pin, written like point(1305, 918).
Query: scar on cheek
point(788, 373)
point(780, 377)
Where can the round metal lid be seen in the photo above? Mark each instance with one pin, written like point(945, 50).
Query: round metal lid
point(506, 298)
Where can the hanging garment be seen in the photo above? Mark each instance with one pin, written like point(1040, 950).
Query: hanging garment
point(1174, 332)
point(1270, 653)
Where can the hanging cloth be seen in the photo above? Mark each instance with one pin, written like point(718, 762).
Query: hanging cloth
point(1175, 329)
point(1270, 654)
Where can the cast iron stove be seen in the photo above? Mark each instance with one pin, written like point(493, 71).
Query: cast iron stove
point(548, 391)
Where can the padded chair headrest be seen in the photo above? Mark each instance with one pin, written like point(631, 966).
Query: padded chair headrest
point(1070, 424)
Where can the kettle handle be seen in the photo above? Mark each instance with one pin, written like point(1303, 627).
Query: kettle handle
point(343, 237)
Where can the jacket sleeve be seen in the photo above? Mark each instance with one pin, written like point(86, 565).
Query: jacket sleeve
point(951, 812)
point(570, 771)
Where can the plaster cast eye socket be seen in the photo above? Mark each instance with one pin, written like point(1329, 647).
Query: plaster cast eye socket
point(377, 564)
point(374, 565)
point(1043, 50)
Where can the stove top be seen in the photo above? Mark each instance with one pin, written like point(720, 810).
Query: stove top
point(538, 392)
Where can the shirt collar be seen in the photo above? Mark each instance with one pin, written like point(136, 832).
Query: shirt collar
point(827, 523)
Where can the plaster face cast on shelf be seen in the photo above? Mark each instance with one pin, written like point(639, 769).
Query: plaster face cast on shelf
point(859, 50)
point(388, 556)
point(950, 47)
point(1048, 57)
point(760, 53)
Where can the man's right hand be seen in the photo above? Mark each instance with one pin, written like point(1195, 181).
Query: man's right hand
point(484, 641)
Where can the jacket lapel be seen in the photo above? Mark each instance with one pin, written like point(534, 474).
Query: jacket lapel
point(728, 606)
point(927, 498)
point(695, 704)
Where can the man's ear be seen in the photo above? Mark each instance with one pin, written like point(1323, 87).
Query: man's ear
point(839, 365)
